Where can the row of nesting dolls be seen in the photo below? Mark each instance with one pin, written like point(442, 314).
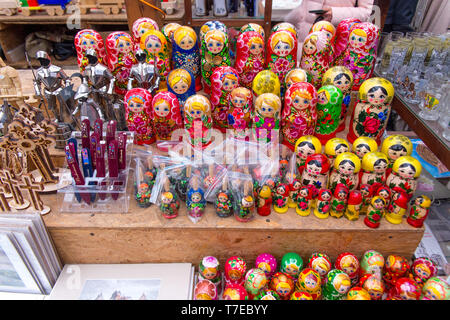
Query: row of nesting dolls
point(371, 278)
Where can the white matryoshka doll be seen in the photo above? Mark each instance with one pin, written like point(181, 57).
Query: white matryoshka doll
point(89, 39)
point(316, 56)
point(140, 27)
point(154, 43)
point(281, 54)
point(249, 57)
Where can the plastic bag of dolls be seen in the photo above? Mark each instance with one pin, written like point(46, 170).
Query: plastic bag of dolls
point(144, 179)
point(243, 197)
point(195, 196)
point(165, 196)
point(220, 194)
point(265, 177)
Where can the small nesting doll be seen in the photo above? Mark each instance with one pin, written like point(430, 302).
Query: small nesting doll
point(294, 189)
point(234, 292)
point(374, 166)
point(364, 145)
point(320, 263)
point(235, 269)
point(329, 30)
point(299, 114)
point(255, 281)
point(140, 27)
point(154, 43)
point(197, 120)
point(195, 199)
point(348, 263)
point(309, 281)
point(335, 147)
point(209, 270)
point(120, 58)
point(341, 78)
point(316, 56)
point(395, 267)
point(205, 290)
point(283, 284)
point(294, 76)
point(419, 211)
point(405, 289)
point(367, 193)
point(315, 173)
point(281, 53)
point(169, 204)
point(267, 263)
point(423, 269)
point(354, 205)
point(372, 110)
point(358, 293)
point(87, 39)
point(342, 37)
point(291, 264)
point(436, 288)
point(346, 169)
point(304, 201)
point(375, 211)
point(246, 203)
point(166, 115)
point(214, 53)
point(264, 200)
point(252, 27)
point(405, 172)
point(339, 200)
point(304, 147)
point(323, 204)
point(240, 107)
point(266, 116)
point(186, 53)
point(138, 112)
point(337, 285)
point(361, 52)
point(374, 285)
point(398, 207)
point(180, 82)
point(372, 262)
point(396, 146)
point(280, 198)
point(249, 57)
point(224, 200)
point(329, 109)
point(223, 81)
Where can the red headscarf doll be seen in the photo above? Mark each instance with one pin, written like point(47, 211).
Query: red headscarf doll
point(249, 57)
point(166, 115)
point(138, 113)
point(89, 39)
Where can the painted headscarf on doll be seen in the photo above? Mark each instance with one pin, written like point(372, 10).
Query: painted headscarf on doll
point(140, 27)
point(342, 35)
point(89, 39)
point(141, 96)
point(172, 101)
point(303, 91)
point(243, 51)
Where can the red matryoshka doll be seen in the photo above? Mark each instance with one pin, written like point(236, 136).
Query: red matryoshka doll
point(367, 194)
point(354, 205)
point(323, 204)
point(234, 292)
point(372, 110)
point(197, 120)
point(374, 166)
point(294, 191)
point(138, 112)
point(341, 38)
point(120, 58)
point(358, 293)
point(252, 27)
point(397, 208)
point(223, 81)
point(372, 262)
point(255, 281)
point(264, 200)
point(266, 116)
point(339, 200)
point(87, 39)
point(267, 294)
point(240, 108)
point(375, 211)
point(315, 173)
point(329, 108)
point(436, 288)
point(419, 211)
point(140, 27)
point(423, 269)
point(301, 295)
point(361, 52)
point(346, 170)
point(299, 114)
point(304, 147)
point(309, 281)
point(166, 115)
point(249, 57)
point(280, 198)
point(395, 267)
point(267, 263)
point(209, 270)
point(335, 147)
point(348, 263)
point(281, 53)
point(394, 147)
point(374, 285)
point(405, 172)
point(405, 289)
point(283, 284)
point(330, 31)
point(304, 201)
point(320, 263)
point(205, 290)
point(154, 43)
point(316, 56)
point(235, 268)
point(364, 145)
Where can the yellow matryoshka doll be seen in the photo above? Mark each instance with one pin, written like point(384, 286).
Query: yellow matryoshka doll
point(305, 147)
point(374, 165)
point(346, 169)
point(396, 146)
point(334, 147)
point(405, 172)
point(363, 146)
point(266, 81)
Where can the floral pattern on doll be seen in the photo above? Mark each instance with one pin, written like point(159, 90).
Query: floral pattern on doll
point(282, 53)
point(250, 57)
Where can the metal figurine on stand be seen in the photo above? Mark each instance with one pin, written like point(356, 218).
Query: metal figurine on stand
point(143, 74)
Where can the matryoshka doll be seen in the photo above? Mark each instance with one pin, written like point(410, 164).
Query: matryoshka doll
point(294, 190)
point(235, 269)
point(167, 30)
point(372, 110)
point(197, 120)
point(367, 194)
point(374, 285)
point(330, 31)
point(195, 199)
point(299, 114)
point(294, 76)
point(301, 295)
point(419, 211)
point(361, 52)
point(316, 56)
point(252, 27)
point(374, 166)
point(234, 292)
point(284, 26)
point(398, 207)
point(395, 267)
point(354, 205)
point(405, 289)
point(266, 81)
point(140, 27)
point(315, 173)
point(264, 200)
point(214, 53)
point(341, 38)
point(154, 43)
point(375, 211)
point(181, 83)
point(396, 146)
point(336, 286)
point(186, 53)
point(266, 116)
point(364, 145)
point(335, 147)
point(358, 293)
point(372, 262)
point(283, 284)
point(436, 288)
point(170, 204)
point(120, 58)
point(255, 281)
point(405, 172)
point(339, 200)
point(309, 281)
point(346, 170)
point(205, 290)
point(341, 78)
point(267, 263)
point(87, 39)
point(166, 115)
point(280, 198)
point(423, 269)
point(348, 263)
point(320, 263)
point(281, 53)
point(291, 264)
point(249, 57)
point(323, 204)
point(329, 109)
point(138, 112)
point(209, 270)
point(304, 147)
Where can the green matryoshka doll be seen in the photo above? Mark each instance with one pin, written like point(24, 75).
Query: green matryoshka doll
point(329, 109)
point(292, 264)
point(336, 286)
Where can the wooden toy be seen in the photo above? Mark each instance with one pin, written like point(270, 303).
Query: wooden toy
point(181, 83)
point(247, 204)
point(166, 115)
point(224, 201)
point(301, 295)
point(423, 269)
point(348, 263)
point(249, 57)
point(354, 205)
point(337, 285)
point(195, 201)
point(398, 207)
point(234, 292)
point(255, 281)
point(266, 81)
point(205, 290)
point(169, 204)
point(252, 27)
point(304, 147)
point(315, 173)
point(283, 284)
point(372, 262)
point(294, 188)
point(138, 112)
point(364, 145)
point(395, 267)
point(375, 211)
point(267, 116)
point(89, 39)
point(405, 172)
point(316, 56)
point(304, 201)
point(140, 27)
point(374, 285)
point(29, 185)
point(405, 289)
point(284, 26)
point(209, 269)
point(323, 204)
point(294, 76)
point(267, 263)
point(212, 25)
point(240, 110)
point(358, 293)
point(436, 288)
point(197, 120)
point(396, 146)
point(154, 43)
point(309, 281)
point(235, 269)
point(329, 109)
point(291, 264)
point(339, 200)
point(17, 202)
point(374, 166)
point(329, 30)
point(419, 211)
point(342, 38)
point(345, 171)
point(335, 147)
point(281, 53)
point(264, 200)
point(168, 30)
point(280, 198)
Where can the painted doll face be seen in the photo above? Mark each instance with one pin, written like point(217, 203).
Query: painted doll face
point(429, 294)
point(153, 45)
point(264, 266)
point(296, 185)
point(322, 97)
point(343, 289)
point(349, 269)
point(280, 190)
point(124, 45)
point(209, 273)
point(361, 150)
point(395, 154)
point(222, 199)
point(328, 34)
point(187, 43)
point(238, 102)
point(346, 168)
point(319, 269)
point(143, 189)
point(196, 113)
point(247, 204)
point(135, 106)
point(88, 43)
point(375, 294)
point(357, 41)
point(305, 151)
point(304, 192)
point(342, 83)
point(229, 84)
point(326, 196)
point(380, 168)
point(384, 194)
point(166, 200)
point(379, 205)
point(342, 195)
point(313, 168)
point(377, 97)
point(300, 103)
point(143, 28)
point(340, 149)
point(422, 271)
point(255, 48)
point(406, 172)
point(310, 283)
point(267, 111)
point(180, 87)
point(283, 290)
point(282, 49)
point(214, 46)
point(291, 269)
point(196, 197)
point(309, 48)
point(162, 109)
point(235, 274)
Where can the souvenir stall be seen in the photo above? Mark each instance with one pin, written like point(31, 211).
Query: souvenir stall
point(272, 173)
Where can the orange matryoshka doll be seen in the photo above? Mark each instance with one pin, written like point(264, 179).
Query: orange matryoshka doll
point(154, 43)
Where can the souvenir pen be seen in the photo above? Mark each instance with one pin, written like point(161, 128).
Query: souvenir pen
point(73, 144)
point(76, 174)
point(122, 149)
point(100, 165)
point(86, 162)
point(110, 132)
point(85, 133)
point(93, 149)
point(98, 128)
point(113, 165)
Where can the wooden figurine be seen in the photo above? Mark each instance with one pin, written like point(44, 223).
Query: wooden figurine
point(280, 198)
point(320, 263)
point(283, 284)
point(291, 264)
point(364, 145)
point(255, 281)
point(335, 147)
point(405, 172)
point(348, 263)
point(346, 170)
point(284, 26)
point(304, 147)
point(374, 166)
point(197, 120)
point(341, 78)
point(246, 205)
point(339, 200)
point(154, 43)
point(32, 187)
point(168, 30)
point(240, 110)
point(398, 207)
point(266, 81)
point(17, 202)
point(323, 204)
point(195, 201)
point(166, 115)
point(395, 267)
point(294, 76)
point(372, 110)
point(336, 286)
point(209, 270)
point(299, 114)
point(252, 27)
point(436, 288)
point(264, 200)
point(143, 188)
point(422, 270)
point(374, 285)
point(358, 293)
point(354, 205)
point(396, 146)
point(329, 109)
point(310, 281)
point(89, 39)
point(267, 116)
point(181, 83)
point(419, 211)
point(224, 201)
point(329, 30)
point(315, 173)
point(212, 25)
point(294, 188)
point(304, 201)
point(140, 27)
point(170, 204)
point(367, 194)
point(4, 194)
point(375, 211)
point(281, 53)
point(138, 112)
point(267, 263)
point(10, 88)
point(342, 38)
point(316, 56)
point(235, 269)
point(384, 192)
point(205, 290)
point(249, 57)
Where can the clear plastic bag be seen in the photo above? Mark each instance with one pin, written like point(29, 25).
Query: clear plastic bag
point(144, 178)
point(243, 197)
point(195, 197)
point(220, 194)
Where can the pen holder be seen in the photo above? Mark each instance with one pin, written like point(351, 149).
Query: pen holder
point(104, 194)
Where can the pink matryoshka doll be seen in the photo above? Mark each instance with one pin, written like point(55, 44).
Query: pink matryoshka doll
point(281, 54)
point(197, 120)
point(205, 290)
point(316, 56)
point(154, 43)
point(330, 31)
point(249, 57)
point(89, 39)
point(348, 263)
point(140, 27)
point(405, 289)
point(240, 110)
point(267, 263)
point(166, 115)
point(341, 39)
point(120, 58)
point(423, 269)
point(223, 80)
point(320, 263)
point(361, 52)
point(299, 114)
point(235, 269)
point(138, 112)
